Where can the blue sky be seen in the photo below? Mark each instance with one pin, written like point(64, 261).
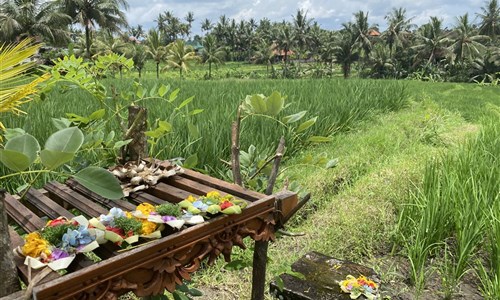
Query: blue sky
point(330, 14)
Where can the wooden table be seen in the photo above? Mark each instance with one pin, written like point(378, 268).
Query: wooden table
point(157, 265)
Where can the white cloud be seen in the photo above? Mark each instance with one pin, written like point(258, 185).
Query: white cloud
point(329, 14)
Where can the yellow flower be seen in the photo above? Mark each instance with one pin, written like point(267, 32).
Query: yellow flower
point(191, 198)
point(128, 215)
point(213, 194)
point(35, 245)
point(148, 227)
point(146, 208)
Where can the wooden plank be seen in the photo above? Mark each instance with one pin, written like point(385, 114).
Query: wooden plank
point(169, 193)
point(192, 186)
point(46, 205)
point(144, 196)
point(78, 201)
point(24, 217)
point(124, 205)
point(229, 188)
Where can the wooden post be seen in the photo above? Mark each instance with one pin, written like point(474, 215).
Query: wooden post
point(9, 282)
point(235, 149)
point(137, 125)
point(260, 250)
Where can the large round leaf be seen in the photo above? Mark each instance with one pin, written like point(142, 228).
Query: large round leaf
point(25, 144)
point(100, 181)
point(67, 140)
point(14, 160)
point(53, 159)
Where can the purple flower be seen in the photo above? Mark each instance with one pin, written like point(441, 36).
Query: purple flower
point(75, 238)
point(58, 254)
point(168, 218)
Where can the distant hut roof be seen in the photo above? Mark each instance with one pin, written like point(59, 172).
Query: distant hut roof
point(373, 32)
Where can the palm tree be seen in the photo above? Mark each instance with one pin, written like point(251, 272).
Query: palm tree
point(206, 25)
point(398, 31)
point(212, 54)
point(155, 49)
point(139, 58)
point(381, 62)
point(180, 56)
point(106, 43)
point(284, 41)
point(361, 28)
point(302, 26)
point(466, 44)
point(33, 18)
point(189, 19)
point(433, 41)
point(346, 49)
point(106, 14)
point(490, 19)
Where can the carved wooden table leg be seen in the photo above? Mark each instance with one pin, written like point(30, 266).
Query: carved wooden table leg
point(259, 269)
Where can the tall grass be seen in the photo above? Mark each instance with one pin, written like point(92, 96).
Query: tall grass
point(338, 103)
point(452, 209)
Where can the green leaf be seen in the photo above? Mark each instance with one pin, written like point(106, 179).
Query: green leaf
point(14, 160)
point(53, 159)
point(140, 92)
point(163, 90)
point(179, 296)
point(195, 112)
point(98, 114)
point(195, 292)
point(66, 140)
point(100, 181)
point(319, 139)
point(13, 132)
point(295, 117)
point(279, 283)
point(185, 102)
point(165, 126)
point(191, 161)
point(152, 91)
point(275, 104)
point(304, 126)
point(173, 95)
point(25, 144)
point(182, 287)
point(120, 144)
point(258, 104)
point(193, 131)
point(237, 264)
point(61, 123)
point(77, 119)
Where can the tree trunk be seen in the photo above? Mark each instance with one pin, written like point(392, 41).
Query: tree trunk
point(157, 70)
point(137, 123)
point(209, 70)
point(8, 277)
point(87, 40)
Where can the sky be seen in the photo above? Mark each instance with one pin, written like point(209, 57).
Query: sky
point(330, 14)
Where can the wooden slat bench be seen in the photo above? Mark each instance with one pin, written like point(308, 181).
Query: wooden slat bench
point(157, 265)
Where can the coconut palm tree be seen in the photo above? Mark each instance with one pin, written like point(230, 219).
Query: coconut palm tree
point(490, 19)
point(361, 28)
point(139, 58)
point(180, 56)
point(398, 31)
point(189, 19)
point(206, 25)
point(106, 43)
point(106, 14)
point(432, 41)
point(155, 49)
point(346, 52)
point(33, 18)
point(212, 54)
point(284, 40)
point(466, 43)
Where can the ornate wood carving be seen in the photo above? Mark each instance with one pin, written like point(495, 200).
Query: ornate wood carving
point(166, 271)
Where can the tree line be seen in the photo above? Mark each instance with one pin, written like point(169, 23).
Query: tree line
point(467, 51)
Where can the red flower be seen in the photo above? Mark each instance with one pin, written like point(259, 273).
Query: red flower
point(118, 231)
point(57, 222)
point(225, 205)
